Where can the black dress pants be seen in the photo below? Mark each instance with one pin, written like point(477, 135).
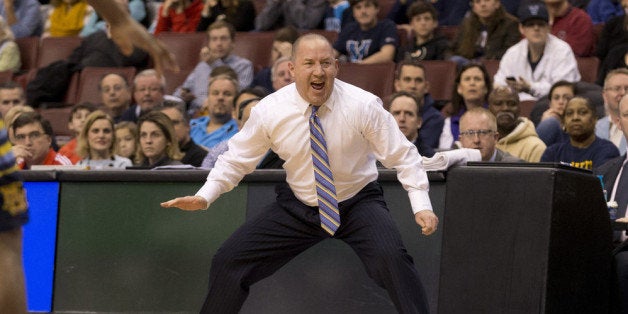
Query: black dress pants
point(270, 240)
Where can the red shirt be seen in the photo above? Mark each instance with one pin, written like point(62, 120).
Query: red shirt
point(69, 150)
point(184, 22)
point(52, 158)
point(576, 28)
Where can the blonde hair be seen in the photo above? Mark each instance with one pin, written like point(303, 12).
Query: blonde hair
point(82, 146)
point(132, 127)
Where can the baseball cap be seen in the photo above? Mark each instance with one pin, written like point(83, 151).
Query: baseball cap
point(533, 11)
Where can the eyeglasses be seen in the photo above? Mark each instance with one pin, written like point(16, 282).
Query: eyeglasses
point(618, 89)
point(35, 135)
point(473, 133)
point(149, 89)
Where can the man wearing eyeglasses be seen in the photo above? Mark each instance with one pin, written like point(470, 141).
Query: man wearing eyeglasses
point(615, 87)
point(11, 95)
point(149, 91)
point(33, 139)
point(615, 178)
point(478, 130)
point(517, 135)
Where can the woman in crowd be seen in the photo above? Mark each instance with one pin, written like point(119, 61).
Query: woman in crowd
point(239, 13)
point(487, 32)
point(96, 144)
point(181, 16)
point(126, 139)
point(9, 51)
point(550, 129)
point(584, 149)
point(158, 143)
point(471, 90)
point(67, 18)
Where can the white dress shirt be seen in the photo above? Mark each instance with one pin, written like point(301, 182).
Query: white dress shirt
point(357, 130)
point(558, 63)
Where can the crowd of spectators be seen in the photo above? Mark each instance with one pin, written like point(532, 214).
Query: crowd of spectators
point(535, 43)
point(137, 124)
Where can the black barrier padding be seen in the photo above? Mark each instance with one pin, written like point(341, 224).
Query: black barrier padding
point(524, 240)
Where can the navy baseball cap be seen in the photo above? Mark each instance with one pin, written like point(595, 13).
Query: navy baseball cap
point(533, 11)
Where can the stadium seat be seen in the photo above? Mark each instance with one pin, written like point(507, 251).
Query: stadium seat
point(330, 35)
point(491, 66)
point(6, 76)
point(29, 50)
point(58, 118)
point(441, 75)
point(89, 80)
point(52, 49)
point(185, 47)
point(588, 67)
point(449, 31)
point(404, 36)
point(255, 46)
point(525, 108)
point(384, 8)
point(375, 78)
point(174, 80)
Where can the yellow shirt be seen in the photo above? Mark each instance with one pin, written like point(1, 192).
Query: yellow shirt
point(68, 20)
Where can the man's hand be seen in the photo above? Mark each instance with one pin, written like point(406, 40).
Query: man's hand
point(284, 49)
point(427, 220)
point(165, 7)
point(187, 95)
point(186, 203)
point(551, 113)
point(207, 55)
point(20, 151)
point(519, 85)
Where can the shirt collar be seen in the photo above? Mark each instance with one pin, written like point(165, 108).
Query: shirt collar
point(494, 155)
point(303, 105)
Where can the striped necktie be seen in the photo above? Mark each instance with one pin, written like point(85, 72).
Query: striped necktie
point(325, 188)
